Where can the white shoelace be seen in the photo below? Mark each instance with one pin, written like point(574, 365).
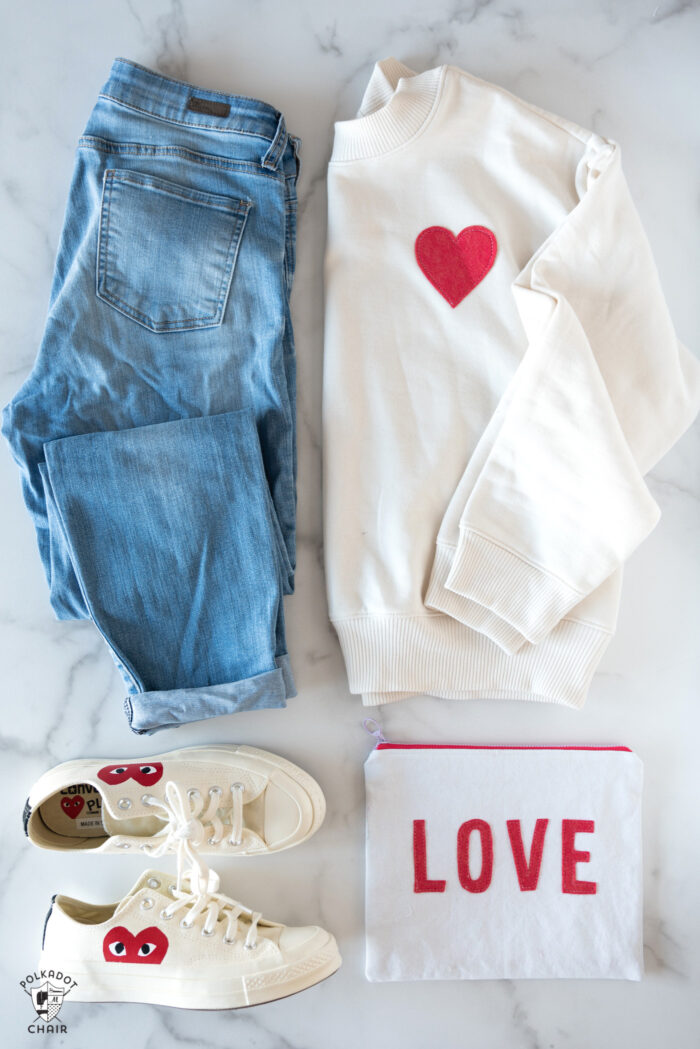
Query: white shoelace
point(197, 887)
point(189, 822)
point(202, 896)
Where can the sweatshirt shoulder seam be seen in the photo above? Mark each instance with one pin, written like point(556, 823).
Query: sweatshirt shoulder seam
point(577, 131)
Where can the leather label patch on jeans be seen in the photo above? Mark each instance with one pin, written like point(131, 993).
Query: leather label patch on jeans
point(206, 105)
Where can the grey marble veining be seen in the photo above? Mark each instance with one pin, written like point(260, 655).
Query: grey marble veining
point(628, 70)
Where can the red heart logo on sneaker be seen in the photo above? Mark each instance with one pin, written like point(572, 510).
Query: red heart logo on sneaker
point(146, 773)
point(455, 264)
point(73, 806)
point(147, 947)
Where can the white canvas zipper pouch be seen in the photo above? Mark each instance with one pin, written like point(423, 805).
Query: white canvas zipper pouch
point(503, 862)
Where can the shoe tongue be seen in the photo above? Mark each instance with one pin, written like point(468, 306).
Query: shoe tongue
point(147, 881)
point(110, 822)
point(123, 813)
point(116, 822)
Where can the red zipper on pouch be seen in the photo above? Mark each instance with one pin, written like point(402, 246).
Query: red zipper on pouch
point(490, 746)
point(373, 728)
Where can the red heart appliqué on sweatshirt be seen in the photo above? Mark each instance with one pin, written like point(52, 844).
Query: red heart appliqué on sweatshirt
point(73, 806)
point(455, 264)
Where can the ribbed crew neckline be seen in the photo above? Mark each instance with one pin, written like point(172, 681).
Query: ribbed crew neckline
point(396, 104)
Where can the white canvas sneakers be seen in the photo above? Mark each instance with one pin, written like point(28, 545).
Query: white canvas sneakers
point(179, 941)
point(182, 943)
point(229, 800)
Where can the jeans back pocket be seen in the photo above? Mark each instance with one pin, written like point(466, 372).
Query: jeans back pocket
point(166, 253)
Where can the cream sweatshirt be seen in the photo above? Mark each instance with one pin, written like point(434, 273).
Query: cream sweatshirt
point(500, 373)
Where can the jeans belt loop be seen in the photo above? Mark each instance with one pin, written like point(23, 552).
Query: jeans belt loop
point(274, 153)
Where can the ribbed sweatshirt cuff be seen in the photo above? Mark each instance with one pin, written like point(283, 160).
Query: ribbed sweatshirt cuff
point(509, 598)
point(463, 609)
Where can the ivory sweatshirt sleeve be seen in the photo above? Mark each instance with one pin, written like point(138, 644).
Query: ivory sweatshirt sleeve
point(500, 372)
point(603, 391)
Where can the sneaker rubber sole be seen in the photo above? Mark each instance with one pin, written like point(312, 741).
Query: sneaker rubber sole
point(185, 991)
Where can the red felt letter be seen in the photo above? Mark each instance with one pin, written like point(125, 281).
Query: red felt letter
point(481, 883)
point(570, 856)
point(421, 881)
point(528, 872)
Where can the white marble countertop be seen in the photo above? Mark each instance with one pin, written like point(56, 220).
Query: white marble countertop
point(630, 72)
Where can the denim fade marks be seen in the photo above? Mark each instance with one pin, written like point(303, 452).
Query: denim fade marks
point(156, 431)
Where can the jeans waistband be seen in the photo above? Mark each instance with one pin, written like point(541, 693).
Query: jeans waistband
point(176, 100)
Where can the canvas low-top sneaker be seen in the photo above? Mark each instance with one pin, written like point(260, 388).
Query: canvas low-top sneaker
point(191, 947)
point(229, 800)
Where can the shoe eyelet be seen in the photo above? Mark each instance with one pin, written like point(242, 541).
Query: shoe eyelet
point(124, 803)
point(235, 842)
point(184, 924)
point(193, 793)
point(229, 943)
point(238, 786)
point(206, 932)
point(124, 845)
point(172, 888)
point(152, 883)
point(215, 790)
point(250, 946)
point(213, 841)
point(146, 799)
point(165, 916)
point(146, 903)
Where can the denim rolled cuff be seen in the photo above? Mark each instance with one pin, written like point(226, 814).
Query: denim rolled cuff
point(148, 712)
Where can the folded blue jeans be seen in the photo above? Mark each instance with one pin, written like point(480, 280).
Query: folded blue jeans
point(156, 432)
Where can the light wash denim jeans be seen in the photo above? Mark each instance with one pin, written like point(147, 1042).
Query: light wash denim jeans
point(156, 432)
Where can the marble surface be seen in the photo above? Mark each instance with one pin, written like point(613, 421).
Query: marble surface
point(628, 70)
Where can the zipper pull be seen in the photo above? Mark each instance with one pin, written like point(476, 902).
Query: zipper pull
point(374, 729)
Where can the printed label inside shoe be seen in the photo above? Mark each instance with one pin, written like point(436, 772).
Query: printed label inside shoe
point(75, 811)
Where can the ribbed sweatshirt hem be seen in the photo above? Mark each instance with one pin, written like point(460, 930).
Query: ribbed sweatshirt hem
point(390, 657)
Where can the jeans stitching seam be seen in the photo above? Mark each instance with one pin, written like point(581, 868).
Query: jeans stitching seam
point(185, 123)
point(195, 196)
point(192, 156)
point(240, 213)
point(158, 75)
point(232, 255)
